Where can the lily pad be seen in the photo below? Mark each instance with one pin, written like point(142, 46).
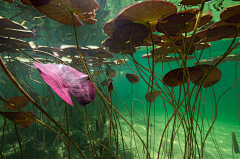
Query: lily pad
point(17, 33)
point(213, 77)
point(19, 118)
point(7, 23)
point(175, 77)
point(231, 14)
point(192, 2)
point(83, 9)
point(147, 11)
point(154, 96)
point(18, 101)
point(110, 73)
point(132, 78)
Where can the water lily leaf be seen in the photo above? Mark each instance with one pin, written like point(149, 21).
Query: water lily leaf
point(192, 2)
point(176, 22)
point(19, 118)
point(63, 79)
point(132, 78)
point(39, 3)
point(18, 101)
point(175, 77)
point(110, 73)
point(83, 9)
point(154, 96)
point(17, 33)
point(106, 81)
point(231, 14)
point(27, 2)
point(7, 23)
point(147, 11)
point(131, 32)
point(110, 27)
point(213, 77)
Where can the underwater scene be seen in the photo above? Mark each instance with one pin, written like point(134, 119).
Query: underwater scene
point(126, 79)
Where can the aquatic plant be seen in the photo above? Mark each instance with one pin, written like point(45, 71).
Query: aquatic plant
point(156, 105)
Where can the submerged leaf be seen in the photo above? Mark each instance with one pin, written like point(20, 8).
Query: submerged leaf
point(83, 9)
point(45, 100)
point(147, 11)
point(213, 77)
point(110, 73)
point(132, 78)
point(63, 79)
point(19, 118)
point(18, 101)
point(154, 96)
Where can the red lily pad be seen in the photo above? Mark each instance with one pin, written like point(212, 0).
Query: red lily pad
point(170, 59)
point(132, 78)
point(106, 81)
point(231, 14)
point(110, 27)
point(83, 9)
point(39, 3)
point(99, 52)
point(19, 43)
point(176, 22)
point(63, 79)
point(116, 46)
point(110, 73)
point(200, 46)
point(131, 32)
point(192, 2)
point(154, 96)
point(18, 101)
point(27, 2)
point(147, 11)
point(213, 77)
point(175, 77)
point(217, 32)
point(17, 33)
point(205, 18)
point(7, 23)
point(19, 118)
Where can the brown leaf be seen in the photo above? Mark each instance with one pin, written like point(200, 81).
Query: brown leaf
point(154, 96)
point(19, 118)
point(83, 9)
point(18, 101)
point(132, 78)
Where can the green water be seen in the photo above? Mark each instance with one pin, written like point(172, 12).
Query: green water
point(221, 101)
